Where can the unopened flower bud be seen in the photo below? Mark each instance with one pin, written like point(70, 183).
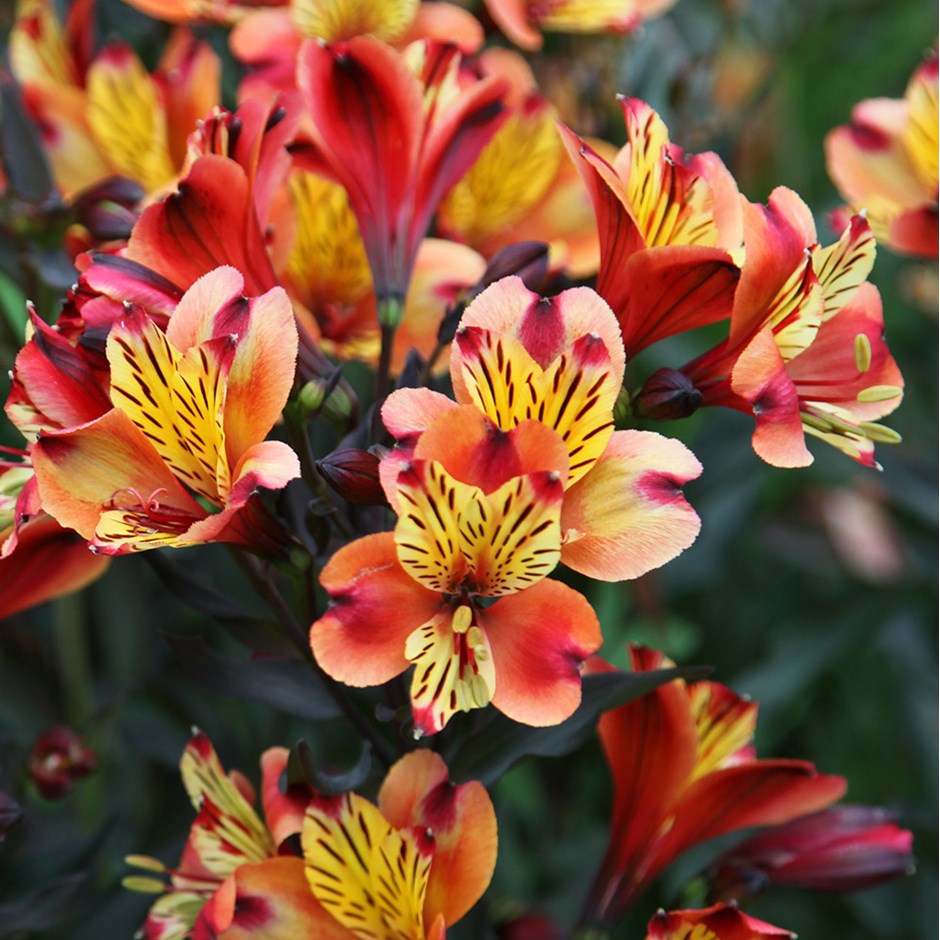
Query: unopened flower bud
point(666, 396)
point(843, 848)
point(354, 474)
point(57, 760)
point(528, 260)
point(109, 209)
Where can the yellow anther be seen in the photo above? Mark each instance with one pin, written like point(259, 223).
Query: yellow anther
point(879, 393)
point(862, 353)
point(463, 619)
point(879, 433)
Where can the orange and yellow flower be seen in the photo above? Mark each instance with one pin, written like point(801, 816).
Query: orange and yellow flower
point(524, 20)
point(522, 187)
point(719, 922)
point(405, 868)
point(685, 772)
point(181, 452)
point(670, 227)
point(459, 589)
point(885, 162)
point(805, 352)
point(105, 115)
point(560, 361)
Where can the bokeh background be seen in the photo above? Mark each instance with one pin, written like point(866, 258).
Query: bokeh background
point(814, 591)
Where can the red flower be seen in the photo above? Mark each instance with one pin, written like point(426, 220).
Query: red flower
point(843, 848)
point(713, 923)
point(397, 141)
point(684, 772)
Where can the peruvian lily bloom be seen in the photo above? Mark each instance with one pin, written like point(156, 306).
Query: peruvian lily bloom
point(670, 227)
point(805, 352)
point(178, 457)
point(559, 361)
point(843, 848)
point(522, 186)
point(459, 589)
point(396, 131)
point(104, 115)
point(885, 162)
point(239, 876)
point(39, 560)
point(685, 772)
point(714, 923)
point(524, 20)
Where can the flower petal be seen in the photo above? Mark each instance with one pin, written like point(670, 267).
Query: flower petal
point(628, 515)
point(540, 639)
point(417, 792)
point(375, 605)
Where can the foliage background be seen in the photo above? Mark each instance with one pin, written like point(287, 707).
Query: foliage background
point(841, 655)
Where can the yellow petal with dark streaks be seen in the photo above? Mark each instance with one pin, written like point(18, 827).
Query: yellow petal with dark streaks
point(844, 265)
point(336, 20)
point(370, 877)
point(796, 312)
point(427, 536)
point(127, 118)
point(176, 401)
point(228, 832)
point(669, 202)
point(512, 537)
point(454, 669)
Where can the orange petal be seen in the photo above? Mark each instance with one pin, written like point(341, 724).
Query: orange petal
point(375, 605)
point(540, 639)
point(628, 515)
point(417, 792)
point(283, 812)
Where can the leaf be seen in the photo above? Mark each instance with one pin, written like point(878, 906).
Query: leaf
point(23, 159)
point(259, 634)
point(44, 908)
point(287, 685)
point(301, 769)
point(488, 753)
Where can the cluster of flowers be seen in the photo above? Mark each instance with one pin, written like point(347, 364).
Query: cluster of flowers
point(223, 253)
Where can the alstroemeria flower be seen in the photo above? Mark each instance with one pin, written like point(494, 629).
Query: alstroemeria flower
point(559, 361)
point(396, 132)
point(885, 162)
point(39, 560)
point(714, 923)
point(239, 877)
point(522, 187)
point(478, 522)
point(105, 115)
point(327, 275)
point(684, 772)
point(524, 20)
point(805, 352)
point(670, 230)
point(178, 457)
point(843, 848)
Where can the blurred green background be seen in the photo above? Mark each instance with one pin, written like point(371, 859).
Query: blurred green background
point(814, 591)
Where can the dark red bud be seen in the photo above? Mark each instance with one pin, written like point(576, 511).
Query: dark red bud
point(528, 260)
point(529, 927)
point(667, 396)
point(354, 474)
point(109, 209)
point(57, 760)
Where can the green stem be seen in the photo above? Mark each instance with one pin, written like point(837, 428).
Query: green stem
point(382, 378)
point(254, 569)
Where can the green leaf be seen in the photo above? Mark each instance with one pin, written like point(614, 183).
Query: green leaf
point(287, 685)
point(44, 908)
point(489, 752)
point(301, 768)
